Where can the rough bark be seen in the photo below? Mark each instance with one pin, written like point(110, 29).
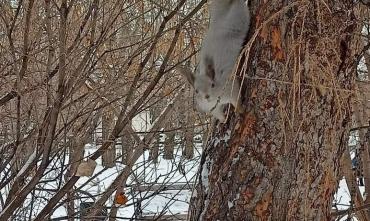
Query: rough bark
point(127, 147)
point(279, 160)
point(188, 150)
point(108, 158)
point(154, 149)
point(189, 130)
point(351, 180)
point(76, 154)
point(169, 145)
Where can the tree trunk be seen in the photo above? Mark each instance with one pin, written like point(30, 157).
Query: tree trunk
point(279, 160)
point(188, 150)
point(169, 145)
point(76, 154)
point(362, 116)
point(108, 158)
point(154, 149)
point(127, 144)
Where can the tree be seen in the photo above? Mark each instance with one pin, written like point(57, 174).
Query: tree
point(280, 160)
point(65, 65)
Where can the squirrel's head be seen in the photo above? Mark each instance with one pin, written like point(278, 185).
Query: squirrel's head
point(203, 82)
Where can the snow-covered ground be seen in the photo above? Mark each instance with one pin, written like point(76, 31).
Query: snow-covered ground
point(342, 199)
point(175, 172)
point(165, 172)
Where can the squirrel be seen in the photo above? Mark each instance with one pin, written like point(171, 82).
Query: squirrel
point(212, 81)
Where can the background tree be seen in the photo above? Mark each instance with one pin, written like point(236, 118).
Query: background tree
point(67, 67)
point(280, 160)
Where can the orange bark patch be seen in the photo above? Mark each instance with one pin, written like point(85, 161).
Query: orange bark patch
point(264, 33)
point(262, 207)
point(276, 44)
point(249, 123)
point(259, 21)
point(329, 184)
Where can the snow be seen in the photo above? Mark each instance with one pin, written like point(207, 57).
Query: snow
point(230, 204)
point(145, 172)
point(141, 122)
point(342, 198)
point(225, 138)
point(165, 172)
point(169, 201)
point(206, 204)
point(205, 172)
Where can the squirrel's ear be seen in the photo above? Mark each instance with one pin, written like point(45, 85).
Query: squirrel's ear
point(187, 73)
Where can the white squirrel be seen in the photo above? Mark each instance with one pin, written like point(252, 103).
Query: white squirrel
point(213, 82)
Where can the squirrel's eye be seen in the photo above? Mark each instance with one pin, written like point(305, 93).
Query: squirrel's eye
point(196, 91)
point(213, 85)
